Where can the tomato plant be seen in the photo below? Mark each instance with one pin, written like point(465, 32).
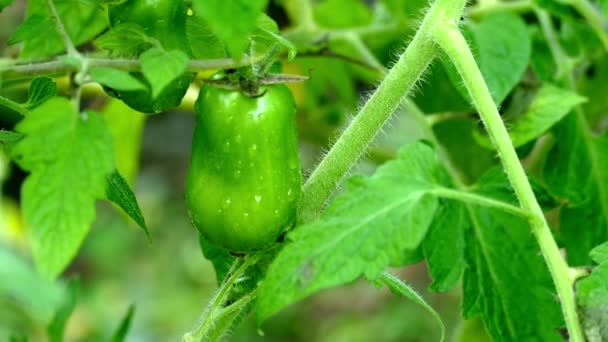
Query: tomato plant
point(483, 203)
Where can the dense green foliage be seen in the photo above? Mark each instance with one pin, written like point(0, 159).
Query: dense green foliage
point(491, 178)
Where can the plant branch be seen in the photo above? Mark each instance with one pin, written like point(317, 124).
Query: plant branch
point(69, 46)
point(58, 66)
point(237, 269)
point(370, 119)
point(12, 105)
point(376, 111)
point(453, 43)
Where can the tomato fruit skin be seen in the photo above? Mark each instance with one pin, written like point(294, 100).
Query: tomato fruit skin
point(244, 181)
point(164, 20)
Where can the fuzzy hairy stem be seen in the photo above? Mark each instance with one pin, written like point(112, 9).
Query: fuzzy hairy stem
point(368, 122)
point(453, 43)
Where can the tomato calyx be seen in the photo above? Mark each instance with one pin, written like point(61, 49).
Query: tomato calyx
point(250, 87)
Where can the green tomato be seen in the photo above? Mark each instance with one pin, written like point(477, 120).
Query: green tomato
point(165, 21)
point(244, 180)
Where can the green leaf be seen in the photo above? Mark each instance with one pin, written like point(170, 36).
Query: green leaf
point(400, 288)
point(68, 156)
point(332, 13)
point(20, 282)
point(604, 7)
point(437, 93)
point(457, 137)
point(162, 67)
point(575, 172)
point(232, 21)
point(125, 40)
point(559, 9)
point(116, 79)
point(549, 105)
point(291, 48)
point(56, 328)
point(205, 44)
point(121, 332)
point(266, 34)
point(219, 257)
point(9, 139)
point(567, 164)
point(500, 249)
point(119, 192)
point(406, 10)
point(592, 296)
point(41, 89)
point(502, 46)
point(364, 230)
point(444, 247)
point(542, 61)
point(83, 20)
point(30, 27)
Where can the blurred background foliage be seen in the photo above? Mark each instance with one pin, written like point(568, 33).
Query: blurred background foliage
point(169, 281)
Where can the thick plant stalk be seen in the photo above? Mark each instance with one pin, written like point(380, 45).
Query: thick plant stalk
point(453, 43)
point(368, 122)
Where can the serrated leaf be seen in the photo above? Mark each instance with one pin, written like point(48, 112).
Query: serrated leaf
point(232, 21)
point(364, 230)
point(205, 44)
point(116, 79)
point(444, 247)
point(592, 296)
point(121, 332)
point(68, 156)
point(41, 89)
point(162, 67)
point(500, 249)
point(549, 105)
point(575, 172)
point(83, 20)
point(502, 46)
point(125, 40)
point(30, 27)
point(119, 192)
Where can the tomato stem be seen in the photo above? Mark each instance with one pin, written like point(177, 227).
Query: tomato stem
point(453, 43)
point(237, 269)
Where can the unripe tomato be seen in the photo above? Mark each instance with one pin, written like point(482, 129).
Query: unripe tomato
point(244, 180)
